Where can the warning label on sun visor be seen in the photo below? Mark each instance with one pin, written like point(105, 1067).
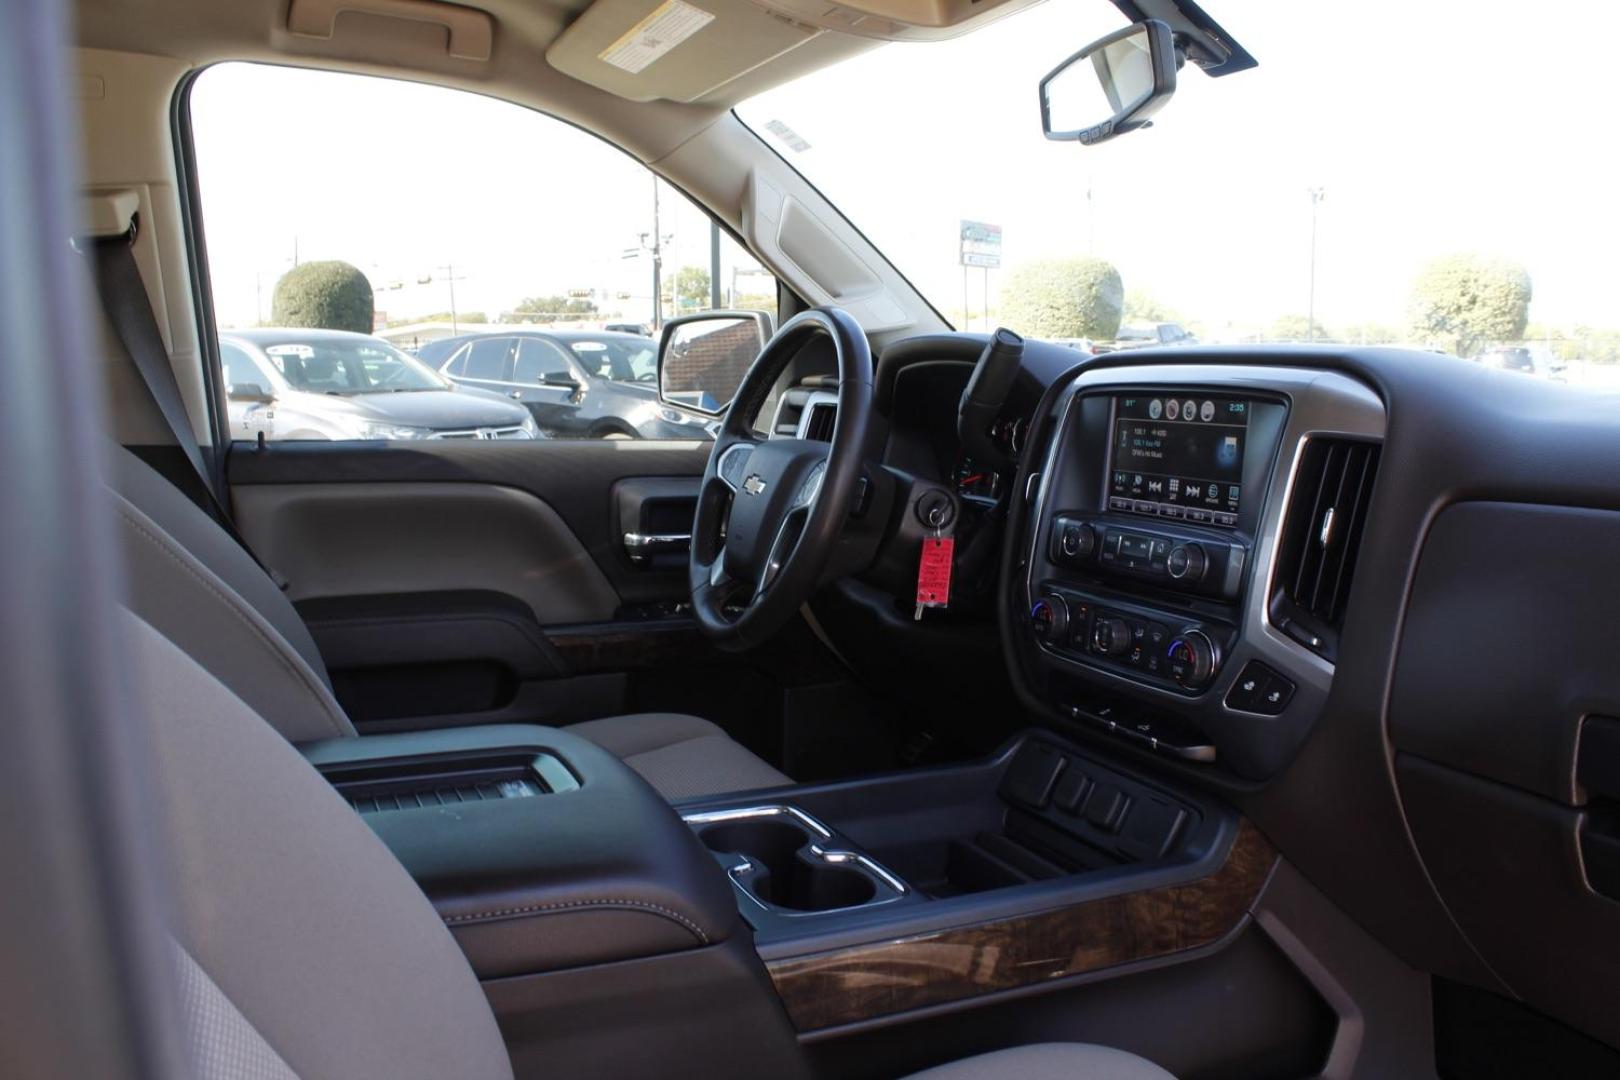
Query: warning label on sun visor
point(671, 23)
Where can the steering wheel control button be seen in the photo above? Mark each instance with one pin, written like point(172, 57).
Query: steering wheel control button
point(1033, 774)
point(1049, 618)
point(1193, 659)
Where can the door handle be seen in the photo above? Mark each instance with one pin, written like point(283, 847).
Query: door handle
point(515, 394)
point(643, 546)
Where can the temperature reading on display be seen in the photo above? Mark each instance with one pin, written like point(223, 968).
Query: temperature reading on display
point(1179, 457)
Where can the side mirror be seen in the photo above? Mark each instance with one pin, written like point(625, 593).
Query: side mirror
point(702, 358)
point(1111, 86)
point(249, 391)
point(560, 379)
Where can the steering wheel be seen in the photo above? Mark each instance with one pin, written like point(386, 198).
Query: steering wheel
point(770, 511)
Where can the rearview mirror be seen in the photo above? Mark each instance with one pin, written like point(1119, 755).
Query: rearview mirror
point(249, 392)
point(702, 358)
point(1111, 86)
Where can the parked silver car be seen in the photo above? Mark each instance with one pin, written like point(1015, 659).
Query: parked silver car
point(579, 384)
point(331, 384)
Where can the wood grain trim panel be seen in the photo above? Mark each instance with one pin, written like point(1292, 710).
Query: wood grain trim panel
point(845, 986)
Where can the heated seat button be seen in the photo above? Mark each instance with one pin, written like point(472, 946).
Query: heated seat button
point(1258, 689)
point(1275, 694)
point(1246, 687)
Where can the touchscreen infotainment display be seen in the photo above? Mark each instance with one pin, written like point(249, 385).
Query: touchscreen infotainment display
point(1179, 456)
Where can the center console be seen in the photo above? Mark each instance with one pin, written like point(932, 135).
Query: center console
point(1140, 585)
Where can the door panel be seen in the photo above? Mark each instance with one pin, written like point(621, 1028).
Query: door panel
point(476, 582)
point(388, 538)
point(575, 479)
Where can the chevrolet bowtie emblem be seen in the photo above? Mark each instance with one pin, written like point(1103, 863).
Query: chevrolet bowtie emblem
point(754, 485)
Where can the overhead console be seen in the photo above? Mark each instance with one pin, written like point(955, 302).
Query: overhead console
point(1187, 540)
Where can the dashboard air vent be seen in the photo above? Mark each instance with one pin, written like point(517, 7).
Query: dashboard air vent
point(1322, 528)
point(823, 416)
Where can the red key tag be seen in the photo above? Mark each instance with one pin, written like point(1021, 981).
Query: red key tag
point(934, 573)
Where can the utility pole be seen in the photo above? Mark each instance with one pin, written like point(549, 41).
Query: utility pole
point(1317, 195)
point(653, 243)
point(451, 279)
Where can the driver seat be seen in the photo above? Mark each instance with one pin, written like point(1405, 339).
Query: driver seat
point(201, 589)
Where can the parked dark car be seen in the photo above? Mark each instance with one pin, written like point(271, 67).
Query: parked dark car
point(298, 383)
point(577, 383)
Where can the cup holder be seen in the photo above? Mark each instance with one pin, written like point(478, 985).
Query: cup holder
point(783, 859)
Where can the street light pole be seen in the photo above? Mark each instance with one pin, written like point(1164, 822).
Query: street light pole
point(658, 264)
point(1317, 195)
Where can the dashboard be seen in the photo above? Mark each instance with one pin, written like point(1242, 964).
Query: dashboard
point(1153, 546)
point(1359, 592)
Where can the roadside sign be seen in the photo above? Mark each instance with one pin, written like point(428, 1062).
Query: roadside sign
point(981, 245)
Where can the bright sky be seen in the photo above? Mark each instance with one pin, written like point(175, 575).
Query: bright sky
point(405, 180)
point(1434, 127)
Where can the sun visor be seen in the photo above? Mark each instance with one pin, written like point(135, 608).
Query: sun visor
point(676, 50)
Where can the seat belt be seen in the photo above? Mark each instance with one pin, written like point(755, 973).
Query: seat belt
point(129, 310)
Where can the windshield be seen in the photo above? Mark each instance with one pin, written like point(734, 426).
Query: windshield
point(1382, 158)
point(349, 367)
point(626, 359)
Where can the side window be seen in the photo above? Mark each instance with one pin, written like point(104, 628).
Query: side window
point(537, 359)
point(527, 224)
point(488, 359)
point(240, 370)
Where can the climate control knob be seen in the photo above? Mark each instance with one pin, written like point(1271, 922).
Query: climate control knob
point(1111, 637)
point(1049, 618)
point(1186, 562)
point(1193, 659)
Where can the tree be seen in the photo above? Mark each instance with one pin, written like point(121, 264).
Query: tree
point(754, 302)
point(549, 309)
point(1297, 328)
point(690, 289)
point(1064, 298)
point(444, 316)
point(329, 295)
point(1143, 306)
point(1373, 333)
point(1470, 301)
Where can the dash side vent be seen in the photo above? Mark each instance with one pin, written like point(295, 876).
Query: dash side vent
point(1321, 538)
point(823, 418)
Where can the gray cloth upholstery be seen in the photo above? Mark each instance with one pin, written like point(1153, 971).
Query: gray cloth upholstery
point(298, 915)
point(684, 757)
point(196, 586)
point(1049, 1061)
